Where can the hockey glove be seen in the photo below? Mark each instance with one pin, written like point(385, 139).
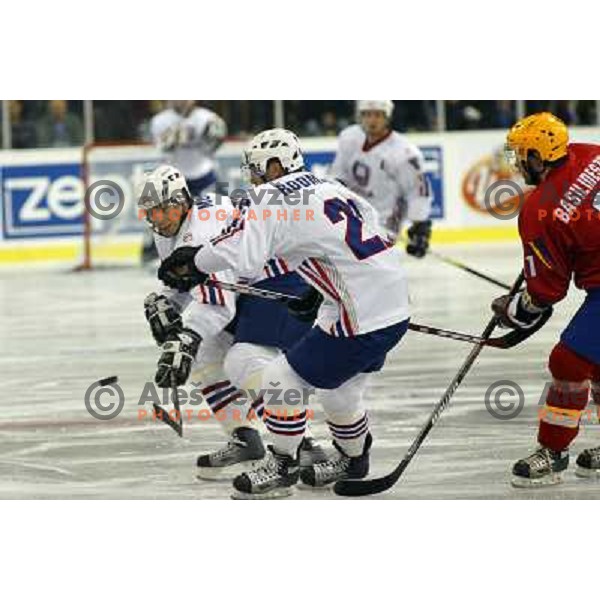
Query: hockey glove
point(518, 312)
point(419, 235)
point(178, 354)
point(162, 315)
point(179, 271)
point(306, 308)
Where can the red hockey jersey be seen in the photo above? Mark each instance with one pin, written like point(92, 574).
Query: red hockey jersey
point(559, 226)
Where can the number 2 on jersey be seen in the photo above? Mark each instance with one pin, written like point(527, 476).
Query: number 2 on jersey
point(337, 210)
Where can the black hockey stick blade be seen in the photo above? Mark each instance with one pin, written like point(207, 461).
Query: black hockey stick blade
point(163, 416)
point(175, 400)
point(366, 487)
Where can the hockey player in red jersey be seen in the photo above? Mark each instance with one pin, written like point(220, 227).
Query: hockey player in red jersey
point(559, 226)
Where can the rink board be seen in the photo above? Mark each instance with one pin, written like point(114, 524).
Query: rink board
point(41, 194)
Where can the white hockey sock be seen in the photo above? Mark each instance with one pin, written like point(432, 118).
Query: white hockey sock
point(226, 403)
point(286, 429)
point(349, 432)
point(285, 395)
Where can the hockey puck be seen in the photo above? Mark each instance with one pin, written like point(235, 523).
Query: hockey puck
point(108, 381)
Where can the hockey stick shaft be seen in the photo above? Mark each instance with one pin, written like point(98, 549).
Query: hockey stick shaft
point(460, 265)
point(175, 400)
point(467, 269)
point(418, 327)
point(374, 486)
point(248, 290)
point(447, 333)
point(164, 416)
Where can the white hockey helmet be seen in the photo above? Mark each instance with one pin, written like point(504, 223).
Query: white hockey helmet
point(269, 144)
point(385, 106)
point(164, 198)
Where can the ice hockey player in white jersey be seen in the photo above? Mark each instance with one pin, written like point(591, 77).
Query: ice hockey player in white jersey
point(207, 333)
point(188, 137)
point(331, 237)
point(191, 327)
point(384, 167)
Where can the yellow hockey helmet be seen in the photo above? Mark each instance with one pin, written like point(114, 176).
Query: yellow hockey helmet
point(543, 133)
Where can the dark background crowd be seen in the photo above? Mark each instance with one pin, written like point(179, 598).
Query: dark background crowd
point(60, 123)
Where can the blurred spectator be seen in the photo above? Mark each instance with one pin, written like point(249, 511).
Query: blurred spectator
point(59, 127)
point(463, 114)
point(414, 115)
point(480, 114)
point(23, 134)
point(505, 114)
point(565, 110)
point(318, 117)
point(586, 112)
point(327, 125)
point(114, 120)
point(572, 112)
point(40, 123)
point(244, 118)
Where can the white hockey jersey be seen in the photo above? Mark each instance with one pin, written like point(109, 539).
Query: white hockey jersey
point(205, 309)
point(183, 139)
point(387, 174)
point(330, 236)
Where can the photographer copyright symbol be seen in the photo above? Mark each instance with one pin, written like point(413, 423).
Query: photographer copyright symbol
point(104, 199)
point(504, 411)
point(509, 207)
point(99, 409)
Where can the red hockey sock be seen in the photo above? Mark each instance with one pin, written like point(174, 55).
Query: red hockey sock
point(567, 398)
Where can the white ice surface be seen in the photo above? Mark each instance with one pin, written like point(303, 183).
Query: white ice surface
point(62, 331)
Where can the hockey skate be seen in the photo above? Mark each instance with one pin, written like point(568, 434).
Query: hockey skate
point(341, 466)
point(311, 453)
point(543, 467)
point(588, 463)
point(243, 448)
point(275, 477)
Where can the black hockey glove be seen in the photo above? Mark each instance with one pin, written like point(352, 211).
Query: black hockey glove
point(519, 312)
point(178, 354)
point(306, 308)
point(162, 315)
point(419, 235)
point(179, 271)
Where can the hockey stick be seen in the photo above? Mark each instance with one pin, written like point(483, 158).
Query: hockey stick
point(248, 290)
point(460, 265)
point(364, 487)
point(504, 342)
point(471, 270)
point(164, 416)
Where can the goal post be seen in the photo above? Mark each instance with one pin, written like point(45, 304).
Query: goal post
point(112, 228)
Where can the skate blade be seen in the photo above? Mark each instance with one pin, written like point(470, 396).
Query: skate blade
point(587, 473)
point(547, 480)
point(223, 473)
point(322, 486)
point(305, 486)
point(270, 495)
